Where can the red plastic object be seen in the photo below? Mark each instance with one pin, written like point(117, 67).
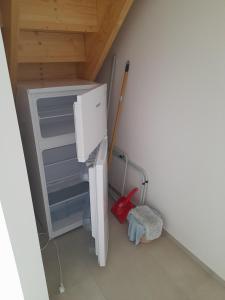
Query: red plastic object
point(122, 206)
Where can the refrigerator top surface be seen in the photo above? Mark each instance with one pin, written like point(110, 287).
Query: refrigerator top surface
point(36, 87)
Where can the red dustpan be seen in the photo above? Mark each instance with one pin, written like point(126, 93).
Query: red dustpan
point(122, 206)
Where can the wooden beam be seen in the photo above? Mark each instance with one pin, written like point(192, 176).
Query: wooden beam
point(44, 47)
point(10, 12)
point(60, 16)
point(98, 44)
point(46, 71)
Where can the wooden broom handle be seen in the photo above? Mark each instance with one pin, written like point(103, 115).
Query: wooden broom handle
point(124, 82)
point(119, 110)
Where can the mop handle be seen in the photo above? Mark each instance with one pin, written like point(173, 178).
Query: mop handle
point(119, 110)
point(124, 83)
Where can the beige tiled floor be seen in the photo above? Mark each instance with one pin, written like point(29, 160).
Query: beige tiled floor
point(156, 271)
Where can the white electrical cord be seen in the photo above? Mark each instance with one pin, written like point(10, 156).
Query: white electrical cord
point(61, 285)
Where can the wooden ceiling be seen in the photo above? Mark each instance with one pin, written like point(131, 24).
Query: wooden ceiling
point(54, 39)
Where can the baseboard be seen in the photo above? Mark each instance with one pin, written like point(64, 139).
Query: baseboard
point(195, 258)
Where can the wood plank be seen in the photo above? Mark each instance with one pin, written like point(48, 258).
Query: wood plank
point(98, 44)
point(46, 71)
point(10, 12)
point(102, 6)
point(44, 47)
point(113, 14)
point(61, 15)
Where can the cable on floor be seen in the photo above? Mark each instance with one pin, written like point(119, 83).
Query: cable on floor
point(61, 285)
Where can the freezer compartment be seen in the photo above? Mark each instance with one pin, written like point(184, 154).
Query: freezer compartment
point(56, 126)
point(55, 106)
point(56, 115)
point(69, 206)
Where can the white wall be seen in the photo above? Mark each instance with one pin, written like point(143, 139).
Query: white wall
point(173, 123)
point(9, 278)
point(16, 203)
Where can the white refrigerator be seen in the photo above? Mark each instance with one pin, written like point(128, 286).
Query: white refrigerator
point(64, 132)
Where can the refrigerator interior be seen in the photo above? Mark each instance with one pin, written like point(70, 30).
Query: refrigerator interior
point(66, 178)
point(67, 186)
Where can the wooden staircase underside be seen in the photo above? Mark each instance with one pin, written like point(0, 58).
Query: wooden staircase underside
point(54, 39)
